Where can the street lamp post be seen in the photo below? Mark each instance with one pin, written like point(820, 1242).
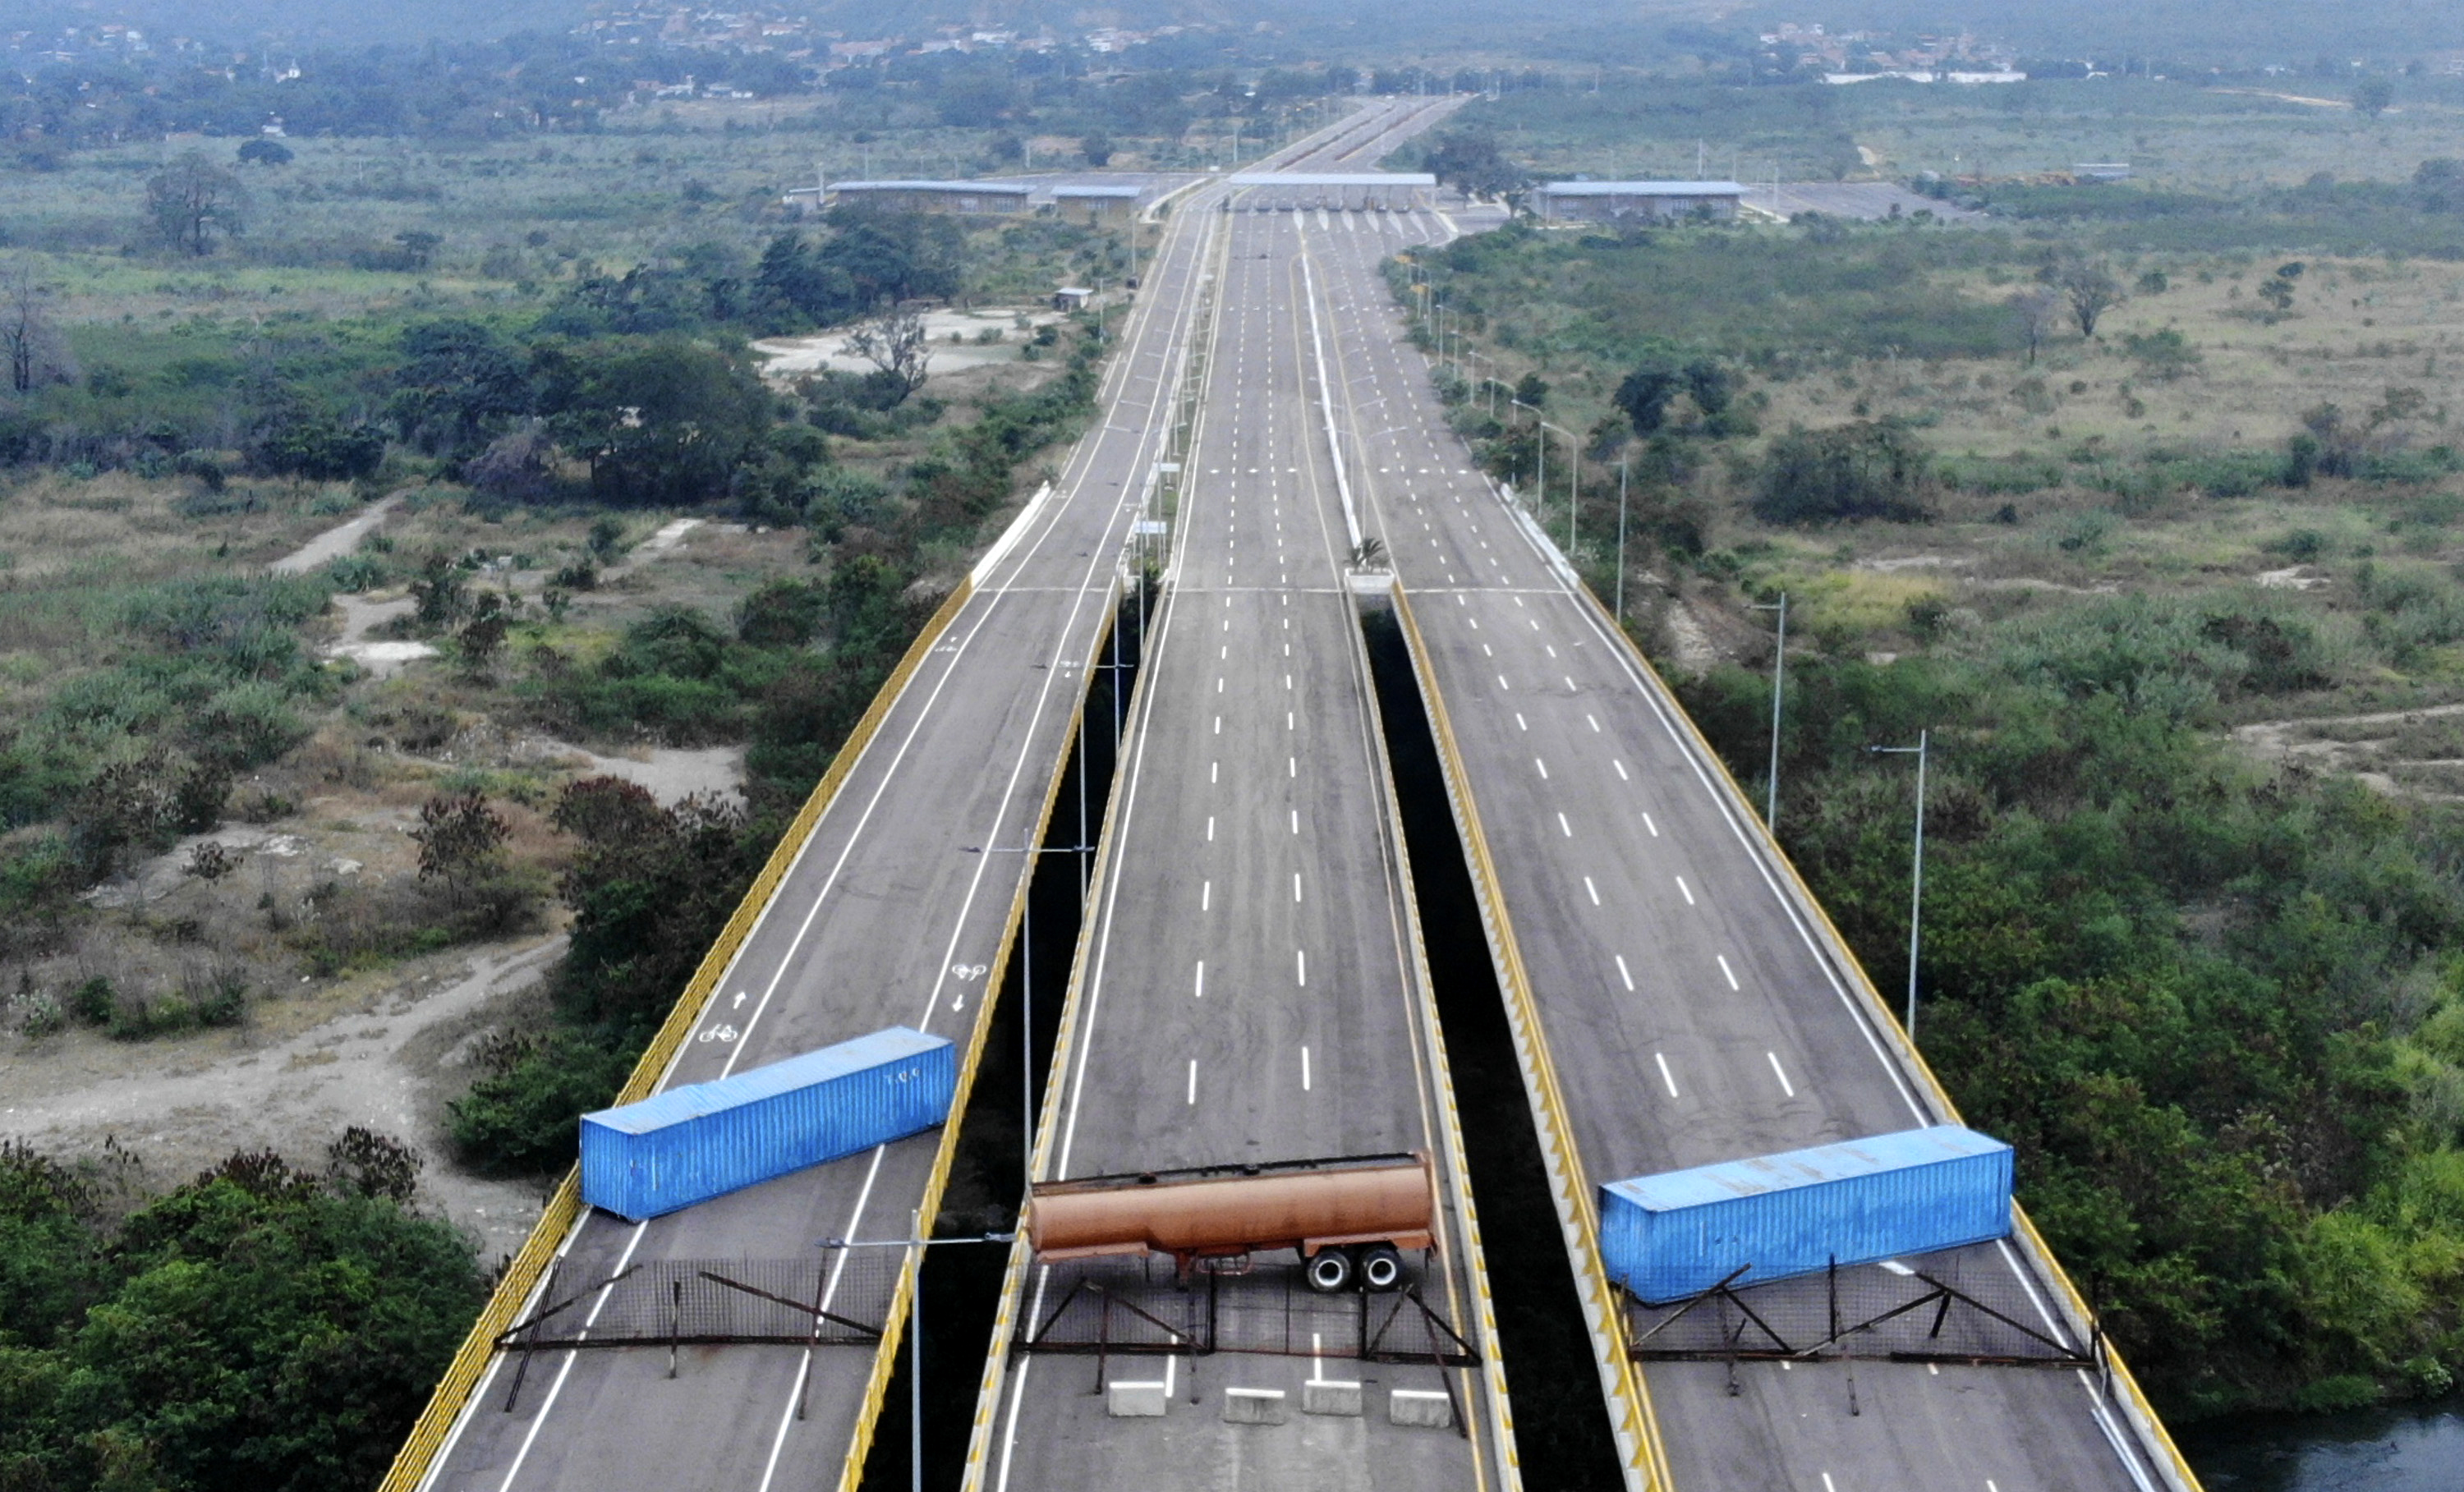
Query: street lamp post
point(1779, 679)
point(1916, 879)
point(1540, 480)
point(1620, 579)
point(917, 1241)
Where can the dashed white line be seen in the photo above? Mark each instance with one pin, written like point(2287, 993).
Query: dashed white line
point(1622, 973)
point(1192, 1087)
point(1210, 828)
point(1305, 1070)
point(1198, 989)
point(1731, 972)
point(1205, 895)
point(1790, 1089)
point(1664, 1076)
point(1688, 893)
point(1621, 772)
point(1300, 966)
point(1594, 890)
point(1564, 827)
point(1542, 766)
point(1653, 827)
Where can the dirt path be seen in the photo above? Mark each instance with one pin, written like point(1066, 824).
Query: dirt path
point(384, 1064)
point(335, 542)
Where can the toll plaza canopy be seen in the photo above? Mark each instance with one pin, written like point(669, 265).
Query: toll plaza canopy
point(1370, 191)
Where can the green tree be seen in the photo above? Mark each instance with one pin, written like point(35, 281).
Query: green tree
point(192, 202)
point(1473, 165)
point(2372, 95)
point(663, 420)
point(1870, 469)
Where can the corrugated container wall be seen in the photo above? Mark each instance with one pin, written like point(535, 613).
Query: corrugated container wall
point(1681, 1232)
point(706, 1139)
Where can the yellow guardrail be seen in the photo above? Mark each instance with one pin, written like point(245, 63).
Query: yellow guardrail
point(979, 1439)
point(410, 1465)
point(1645, 1451)
point(1510, 1455)
point(1889, 1022)
point(894, 1329)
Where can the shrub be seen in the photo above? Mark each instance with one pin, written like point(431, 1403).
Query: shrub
point(1872, 470)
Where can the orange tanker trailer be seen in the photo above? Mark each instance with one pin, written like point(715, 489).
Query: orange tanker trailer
point(1347, 1219)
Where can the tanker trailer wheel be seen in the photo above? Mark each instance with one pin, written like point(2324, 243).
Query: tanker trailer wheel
point(1381, 1268)
point(1329, 1271)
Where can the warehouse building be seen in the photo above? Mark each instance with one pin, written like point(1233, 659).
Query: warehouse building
point(919, 196)
point(1096, 202)
point(1625, 202)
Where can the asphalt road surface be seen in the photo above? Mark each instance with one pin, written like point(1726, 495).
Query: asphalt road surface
point(1693, 1006)
point(1251, 989)
point(889, 915)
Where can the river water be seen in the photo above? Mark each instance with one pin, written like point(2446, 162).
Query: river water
point(2419, 1448)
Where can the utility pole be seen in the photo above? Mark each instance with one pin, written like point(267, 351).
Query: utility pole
point(916, 1241)
point(1916, 878)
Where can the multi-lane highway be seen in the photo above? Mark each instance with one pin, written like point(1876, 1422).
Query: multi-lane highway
point(1250, 987)
point(891, 913)
point(1691, 1004)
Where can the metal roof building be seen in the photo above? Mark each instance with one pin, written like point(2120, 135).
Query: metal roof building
point(1609, 202)
point(927, 196)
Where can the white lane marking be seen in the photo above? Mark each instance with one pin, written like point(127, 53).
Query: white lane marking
point(1689, 894)
point(1731, 972)
point(1781, 1073)
point(1291, 767)
point(1664, 1076)
point(1210, 828)
point(1653, 827)
point(1518, 721)
point(1198, 991)
point(1193, 1082)
point(1488, 651)
point(1595, 723)
point(1566, 829)
point(1205, 895)
point(557, 1387)
point(1300, 966)
point(1542, 766)
point(1622, 974)
point(1296, 820)
point(1570, 682)
point(1219, 725)
point(1502, 684)
point(1287, 681)
point(1288, 720)
point(1215, 772)
point(1826, 1483)
point(1594, 890)
point(1305, 1070)
point(1296, 886)
point(1621, 772)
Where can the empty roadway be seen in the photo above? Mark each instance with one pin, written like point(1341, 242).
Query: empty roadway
point(891, 914)
point(1250, 986)
point(1693, 1004)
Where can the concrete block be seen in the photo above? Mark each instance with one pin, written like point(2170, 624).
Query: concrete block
point(1324, 1396)
point(1133, 1400)
point(1429, 1407)
point(1253, 1406)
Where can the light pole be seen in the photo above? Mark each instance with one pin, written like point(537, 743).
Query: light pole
point(917, 1241)
point(1540, 480)
point(1621, 579)
point(1916, 879)
point(1779, 678)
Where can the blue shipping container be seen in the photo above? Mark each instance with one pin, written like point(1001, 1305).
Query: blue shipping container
point(706, 1139)
point(1681, 1232)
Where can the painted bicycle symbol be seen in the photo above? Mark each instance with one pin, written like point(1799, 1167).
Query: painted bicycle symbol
point(724, 1033)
